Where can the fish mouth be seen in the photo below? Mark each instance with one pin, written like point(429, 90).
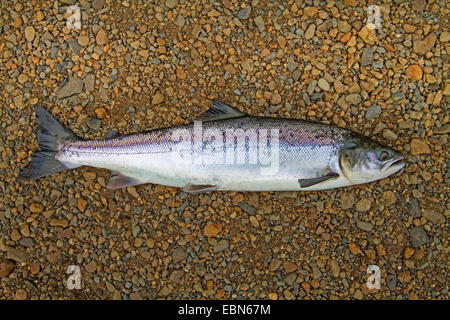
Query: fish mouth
point(396, 163)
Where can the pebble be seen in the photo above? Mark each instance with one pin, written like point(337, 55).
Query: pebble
point(373, 112)
point(414, 72)
point(323, 84)
point(171, 3)
point(244, 13)
point(6, 268)
point(98, 4)
point(414, 208)
point(102, 37)
point(423, 46)
point(259, 22)
point(73, 86)
point(220, 246)
point(366, 57)
point(93, 123)
point(365, 226)
point(434, 216)
point(388, 134)
point(157, 98)
point(353, 98)
point(418, 237)
point(30, 33)
point(363, 205)
point(74, 46)
point(212, 230)
point(419, 147)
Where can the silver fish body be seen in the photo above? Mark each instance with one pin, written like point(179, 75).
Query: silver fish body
point(239, 153)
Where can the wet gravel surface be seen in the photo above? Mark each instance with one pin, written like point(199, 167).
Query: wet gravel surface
point(136, 65)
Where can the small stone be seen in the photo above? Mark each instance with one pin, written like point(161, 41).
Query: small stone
point(274, 264)
point(89, 82)
point(365, 226)
point(81, 204)
point(291, 64)
point(177, 276)
point(102, 37)
point(366, 57)
point(445, 129)
point(323, 84)
point(244, 13)
point(363, 205)
point(353, 98)
point(91, 266)
point(273, 296)
point(36, 208)
point(419, 147)
point(74, 46)
point(414, 72)
point(247, 208)
point(354, 248)
point(423, 46)
point(418, 237)
point(334, 266)
point(414, 208)
point(157, 98)
point(310, 11)
point(434, 216)
point(212, 230)
point(39, 16)
point(21, 294)
point(73, 86)
point(6, 268)
point(17, 255)
point(30, 33)
point(289, 266)
point(310, 31)
point(373, 112)
point(83, 40)
point(92, 123)
point(408, 253)
point(388, 198)
point(388, 134)
point(260, 23)
point(180, 21)
point(100, 113)
point(17, 22)
point(171, 3)
point(347, 201)
point(444, 37)
point(222, 245)
point(368, 35)
point(275, 99)
point(98, 4)
point(418, 5)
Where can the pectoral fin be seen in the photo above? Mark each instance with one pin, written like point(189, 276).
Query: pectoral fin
point(122, 181)
point(199, 188)
point(305, 183)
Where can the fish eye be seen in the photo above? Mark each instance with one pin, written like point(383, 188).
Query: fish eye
point(383, 156)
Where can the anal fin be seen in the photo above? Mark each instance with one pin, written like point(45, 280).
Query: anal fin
point(122, 181)
point(305, 183)
point(199, 188)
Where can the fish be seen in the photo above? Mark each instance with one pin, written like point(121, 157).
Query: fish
point(223, 149)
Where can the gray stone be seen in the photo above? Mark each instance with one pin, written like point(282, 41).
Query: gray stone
point(180, 21)
point(373, 112)
point(247, 208)
point(244, 13)
point(323, 84)
point(414, 208)
point(260, 23)
point(89, 82)
point(74, 45)
point(171, 3)
point(291, 65)
point(73, 86)
point(418, 237)
point(389, 135)
point(98, 4)
point(366, 57)
point(94, 124)
point(179, 255)
point(353, 98)
point(220, 246)
point(365, 226)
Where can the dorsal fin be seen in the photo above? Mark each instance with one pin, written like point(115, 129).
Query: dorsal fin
point(219, 111)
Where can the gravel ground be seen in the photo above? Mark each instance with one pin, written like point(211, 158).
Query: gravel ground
point(136, 65)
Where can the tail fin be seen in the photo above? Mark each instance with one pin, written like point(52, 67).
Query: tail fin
point(43, 162)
